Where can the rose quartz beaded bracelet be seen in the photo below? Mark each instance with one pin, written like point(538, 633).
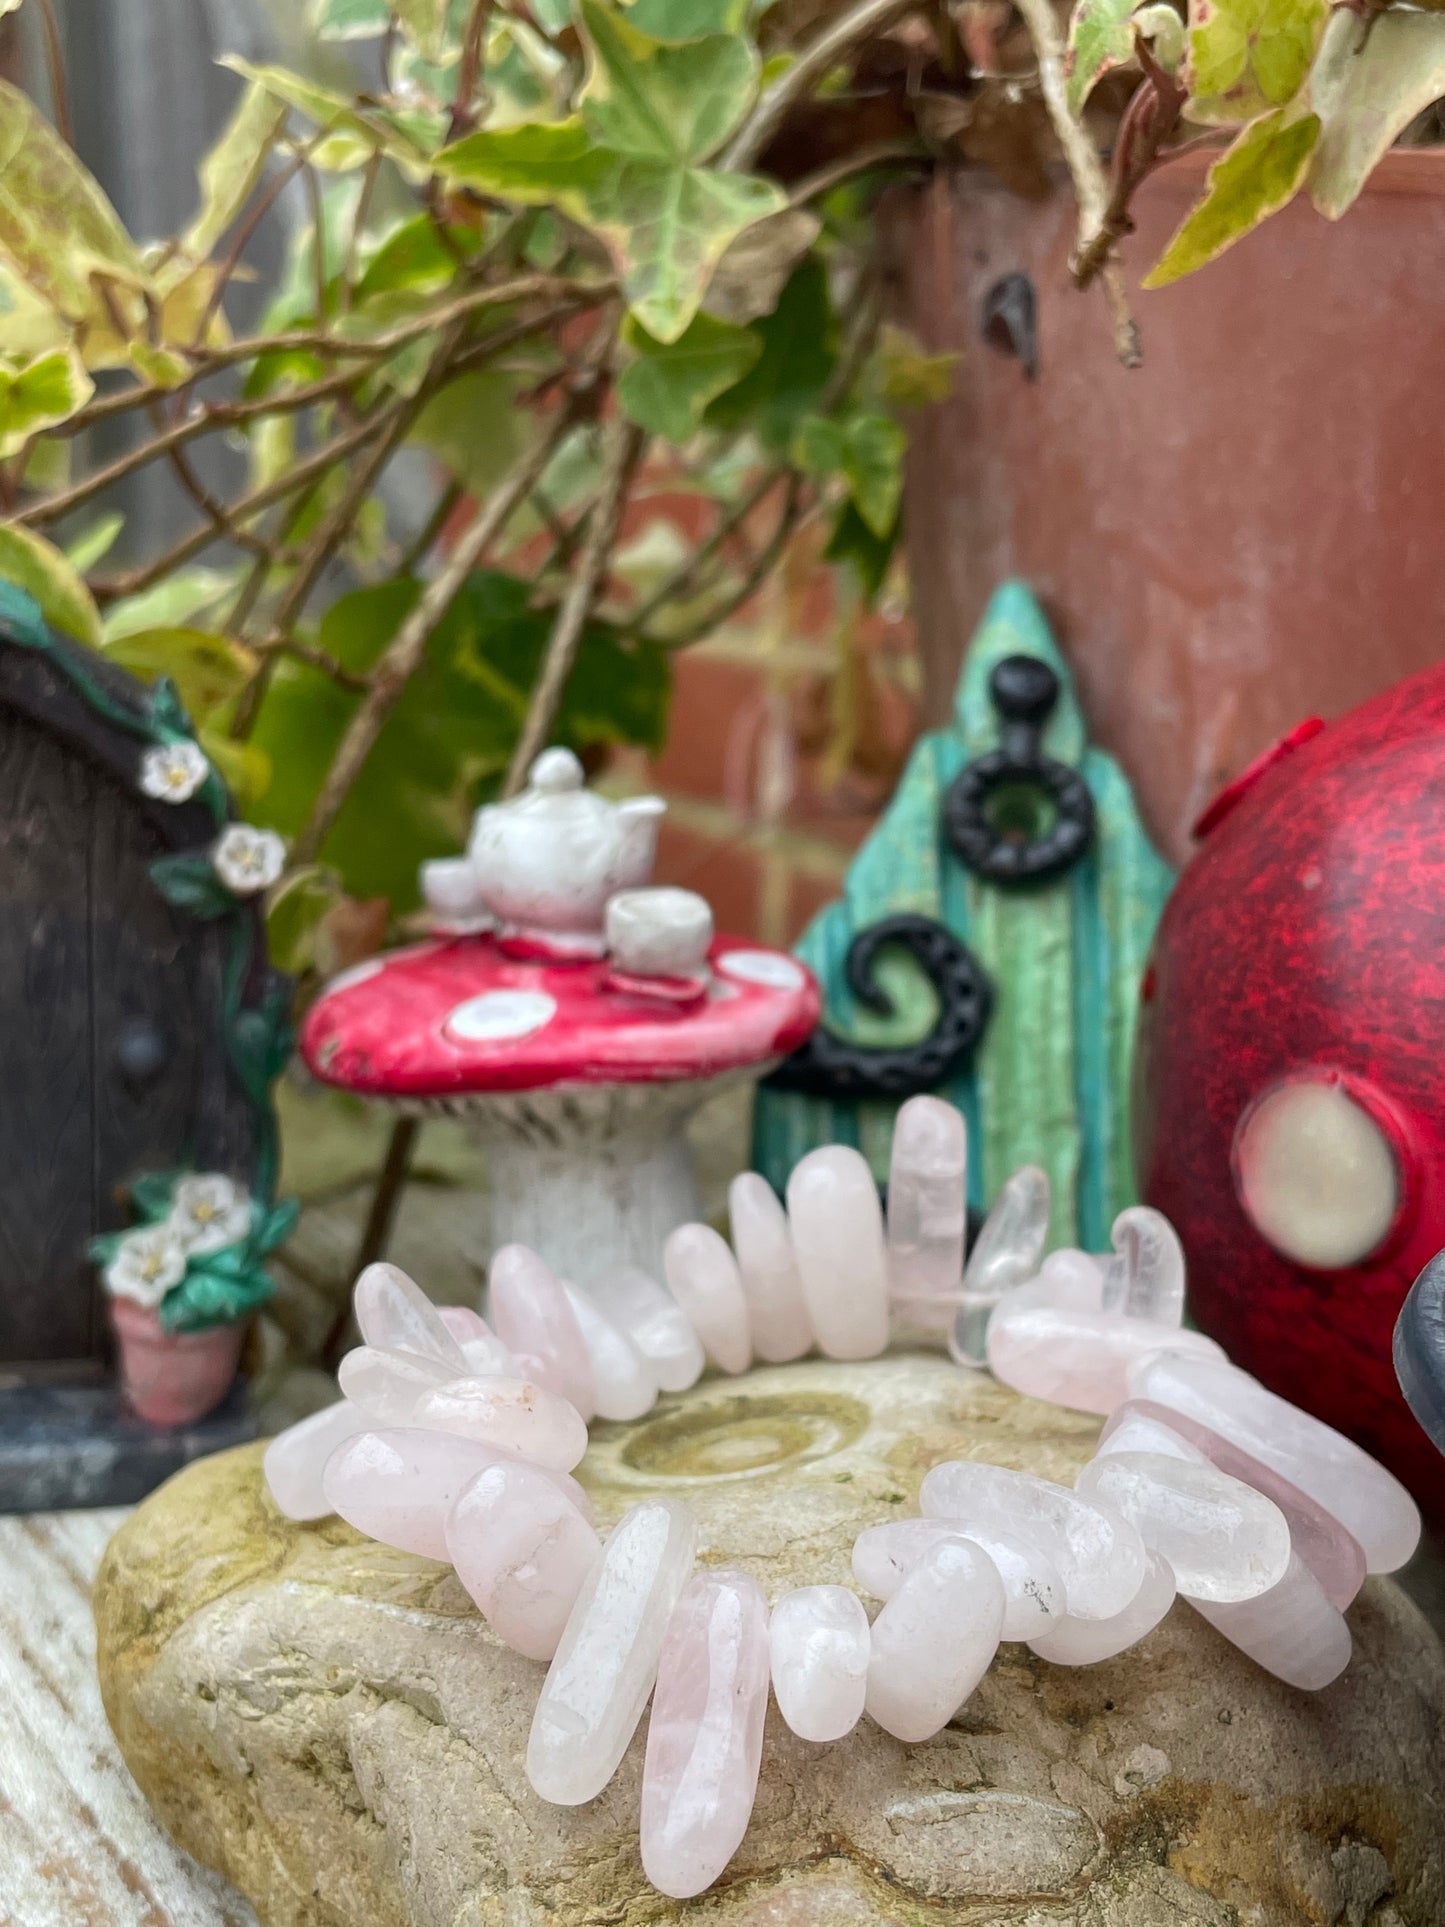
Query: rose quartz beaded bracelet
point(456, 1438)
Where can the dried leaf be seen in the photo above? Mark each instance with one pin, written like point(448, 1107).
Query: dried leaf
point(748, 280)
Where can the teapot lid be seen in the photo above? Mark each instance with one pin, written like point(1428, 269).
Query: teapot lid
point(555, 772)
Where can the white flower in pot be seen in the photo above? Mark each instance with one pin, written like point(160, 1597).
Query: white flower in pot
point(147, 1264)
point(209, 1212)
point(173, 772)
point(248, 860)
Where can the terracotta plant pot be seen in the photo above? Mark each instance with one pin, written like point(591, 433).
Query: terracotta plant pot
point(173, 1378)
point(1244, 531)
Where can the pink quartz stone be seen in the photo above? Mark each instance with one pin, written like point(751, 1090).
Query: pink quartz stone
point(522, 1549)
point(485, 1354)
point(626, 1384)
point(398, 1485)
point(1084, 1642)
point(395, 1315)
point(508, 1414)
point(296, 1458)
point(703, 1277)
point(464, 1323)
point(1333, 1555)
point(705, 1737)
point(837, 1227)
point(1292, 1631)
point(1368, 1501)
point(1145, 1277)
point(819, 1643)
point(1034, 1593)
point(1077, 1358)
point(933, 1641)
point(927, 1213)
point(531, 1313)
point(777, 1316)
point(388, 1385)
point(1098, 1555)
point(654, 1321)
point(1006, 1251)
point(1223, 1540)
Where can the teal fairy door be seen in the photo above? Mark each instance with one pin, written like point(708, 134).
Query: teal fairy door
point(1002, 910)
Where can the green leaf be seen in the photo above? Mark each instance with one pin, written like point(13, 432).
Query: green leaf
point(278, 1224)
point(94, 543)
point(402, 136)
point(475, 428)
point(631, 168)
point(414, 259)
point(216, 1290)
point(350, 19)
point(152, 1192)
point(867, 451)
point(244, 768)
point(909, 377)
point(1101, 37)
point(207, 670)
point(1258, 173)
point(34, 565)
point(294, 915)
point(230, 171)
point(424, 22)
point(687, 19)
point(788, 379)
point(1366, 95)
point(446, 744)
point(171, 604)
point(189, 884)
point(670, 384)
point(163, 366)
point(46, 391)
point(1246, 56)
point(853, 544)
point(58, 229)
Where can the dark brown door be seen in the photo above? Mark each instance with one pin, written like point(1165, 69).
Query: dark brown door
point(97, 1038)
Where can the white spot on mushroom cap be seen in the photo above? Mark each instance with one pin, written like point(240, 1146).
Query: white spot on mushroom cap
point(358, 974)
point(766, 967)
point(500, 1014)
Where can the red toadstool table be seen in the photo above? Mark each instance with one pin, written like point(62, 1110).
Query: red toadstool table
point(576, 1078)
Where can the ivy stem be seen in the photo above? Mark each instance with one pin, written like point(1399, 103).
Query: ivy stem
point(811, 64)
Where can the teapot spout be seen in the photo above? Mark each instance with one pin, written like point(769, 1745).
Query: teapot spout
point(638, 819)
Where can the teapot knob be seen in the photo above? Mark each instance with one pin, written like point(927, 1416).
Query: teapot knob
point(555, 772)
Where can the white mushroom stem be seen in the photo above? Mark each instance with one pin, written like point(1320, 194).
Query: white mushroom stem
point(591, 1176)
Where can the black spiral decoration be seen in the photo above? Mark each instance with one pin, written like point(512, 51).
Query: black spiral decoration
point(833, 1067)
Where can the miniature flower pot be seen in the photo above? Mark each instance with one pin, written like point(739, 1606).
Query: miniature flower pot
point(173, 1378)
point(1240, 532)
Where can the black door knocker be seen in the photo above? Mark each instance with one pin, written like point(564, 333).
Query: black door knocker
point(1016, 815)
point(834, 1067)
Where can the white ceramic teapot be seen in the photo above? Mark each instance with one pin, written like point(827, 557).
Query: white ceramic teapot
point(546, 863)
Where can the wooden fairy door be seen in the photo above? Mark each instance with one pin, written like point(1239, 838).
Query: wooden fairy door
point(111, 1059)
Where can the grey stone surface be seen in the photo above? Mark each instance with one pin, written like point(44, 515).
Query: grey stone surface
point(69, 1446)
point(331, 1724)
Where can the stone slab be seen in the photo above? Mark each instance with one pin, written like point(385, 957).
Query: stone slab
point(77, 1445)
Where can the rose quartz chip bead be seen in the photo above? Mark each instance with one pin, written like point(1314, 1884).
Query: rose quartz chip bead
point(933, 1641)
point(510, 1415)
point(395, 1315)
point(655, 1322)
point(485, 1354)
point(1368, 1501)
point(625, 1384)
point(1333, 1555)
point(1084, 1642)
point(1291, 1631)
point(388, 1386)
point(1073, 1357)
point(927, 1213)
point(837, 1227)
point(819, 1644)
point(1222, 1540)
point(1098, 1555)
point(778, 1318)
point(1006, 1251)
point(1034, 1594)
point(295, 1459)
point(705, 1737)
point(606, 1660)
point(531, 1314)
point(703, 1276)
point(398, 1485)
point(522, 1549)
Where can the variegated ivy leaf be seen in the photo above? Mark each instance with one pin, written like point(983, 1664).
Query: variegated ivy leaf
point(1101, 37)
point(37, 567)
point(1367, 94)
point(408, 138)
point(350, 19)
point(632, 166)
point(1257, 174)
point(424, 22)
point(1247, 56)
point(44, 392)
point(230, 171)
